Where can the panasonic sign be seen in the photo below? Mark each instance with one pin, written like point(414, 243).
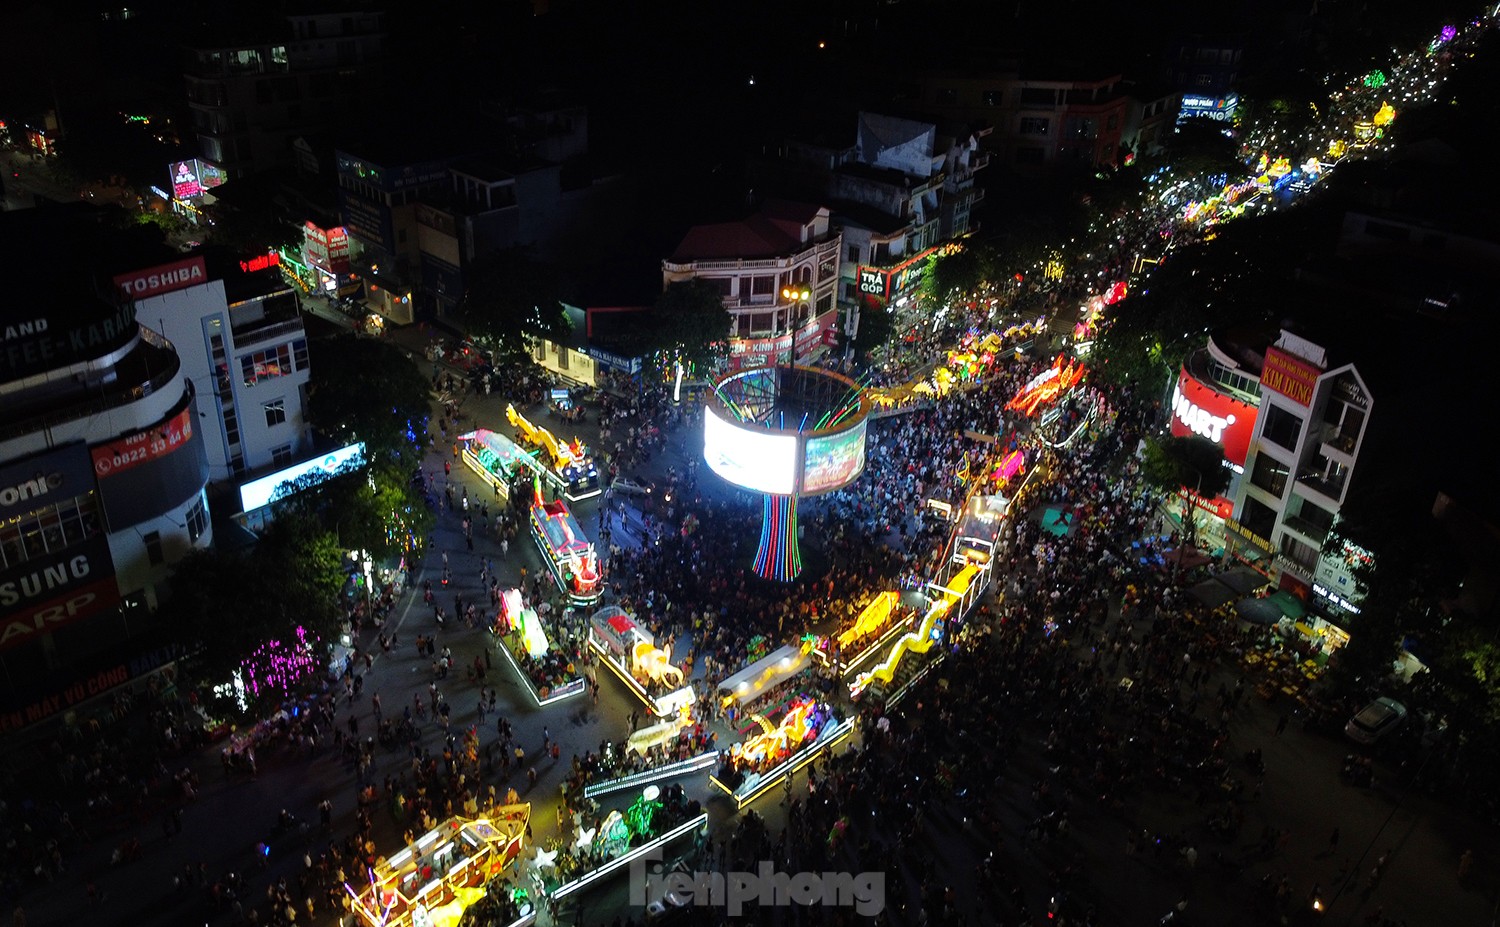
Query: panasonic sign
point(31, 489)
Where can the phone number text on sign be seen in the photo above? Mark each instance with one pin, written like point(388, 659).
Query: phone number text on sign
point(144, 446)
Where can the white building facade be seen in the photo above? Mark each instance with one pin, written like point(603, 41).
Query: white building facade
point(786, 248)
point(242, 343)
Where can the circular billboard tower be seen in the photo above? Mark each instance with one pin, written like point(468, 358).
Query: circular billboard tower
point(785, 432)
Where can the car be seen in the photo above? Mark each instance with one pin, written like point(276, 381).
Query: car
point(1375, 720)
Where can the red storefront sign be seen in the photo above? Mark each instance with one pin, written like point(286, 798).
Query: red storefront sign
point(327, 249)
point(751, 352)
point(1290, 376)
point(1198, 409)
point(1217, 506)
point(31, 621)
point(143, 446)
point(261, 262)
point(153, 281)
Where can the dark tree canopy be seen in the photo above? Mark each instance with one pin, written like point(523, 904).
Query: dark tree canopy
point(511, 297)
point(365, 389)
point(688, 323)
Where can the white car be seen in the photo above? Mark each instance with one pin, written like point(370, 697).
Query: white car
point(1375, 720)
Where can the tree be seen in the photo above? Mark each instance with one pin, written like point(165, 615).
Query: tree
point(955, 273)
point(875, 330)
point(226, 603)
point(1194, 464)
point(364, 389)
point(376, 508)
point(510, 298)
point(689, 326)
point(250, 216)
point(1198, 149)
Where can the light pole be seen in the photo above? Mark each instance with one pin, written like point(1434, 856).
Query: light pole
point(796, 296)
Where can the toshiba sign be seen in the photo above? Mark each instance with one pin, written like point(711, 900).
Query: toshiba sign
point(153, 281)
point(1198, 409)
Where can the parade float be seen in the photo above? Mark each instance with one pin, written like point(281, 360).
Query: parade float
point(549, 675)
point(569, 461)
point(462, 863)
point(569, 555)
point(630, 652)
point(642, 831)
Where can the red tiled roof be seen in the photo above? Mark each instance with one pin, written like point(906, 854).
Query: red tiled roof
point(774, 231)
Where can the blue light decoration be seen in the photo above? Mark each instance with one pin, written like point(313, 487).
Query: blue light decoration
point(779, 557)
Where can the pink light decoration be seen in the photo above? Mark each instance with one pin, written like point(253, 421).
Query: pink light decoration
point(279, 667)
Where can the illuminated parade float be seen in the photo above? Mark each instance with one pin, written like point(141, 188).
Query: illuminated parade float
point(569, 461)
point(569, 555)
point(550, 676)
point(458, 865)
point(783, 725)
point(630, 651)
point(786, 432)
point(499, 461)
point(641, 831)
point(877, 624)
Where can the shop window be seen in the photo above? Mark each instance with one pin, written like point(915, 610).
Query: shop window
point(267, 364)
point(1283, 428)
point(197, 519)
point(281, 456)
point(299, 353)
point(854, 254)
point(154, 554)
point(1303, 554)
point(1258, 518)
point(1270, 474)
point(275, 412)
point(763, 285)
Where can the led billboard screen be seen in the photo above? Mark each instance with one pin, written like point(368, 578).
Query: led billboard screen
point(761, 461)
point(834, 461)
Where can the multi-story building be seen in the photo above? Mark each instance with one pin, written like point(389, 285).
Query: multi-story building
point(902, 190)
point(255, 93)
point(238, 333)
point(1048, 117)
point(785, 247)
point(380, 187)
point(102, 457)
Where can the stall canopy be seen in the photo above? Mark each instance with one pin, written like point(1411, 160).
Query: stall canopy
point(1187, 557)
point(1243, 581)
point(1258, 611)
point(1290, 605)
point(1212, 594)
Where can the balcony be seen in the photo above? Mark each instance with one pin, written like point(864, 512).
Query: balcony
point(1314, 533)
point(261, 332)
point(1329, 487)
point(1337, 441)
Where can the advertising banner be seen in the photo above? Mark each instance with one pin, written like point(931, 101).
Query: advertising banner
point(1198, 409)
point(45, 479)
point(259, 493)
point(326, 249)
point(1290, 376)
point(185, 180)
point(145, 445)
point(48, 592)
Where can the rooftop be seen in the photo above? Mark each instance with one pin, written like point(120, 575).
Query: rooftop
point(774, 231)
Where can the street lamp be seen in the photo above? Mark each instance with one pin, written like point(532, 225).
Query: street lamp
point(796, 296)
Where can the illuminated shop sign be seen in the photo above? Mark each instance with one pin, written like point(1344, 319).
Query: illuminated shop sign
point(144, 446)
point(259, 493)
point(53, 590)
point(153, 281)
point(1290, 376)
point(1219, 109)
point(1198, 409)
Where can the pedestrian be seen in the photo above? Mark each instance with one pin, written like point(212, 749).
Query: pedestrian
point(1282, 722)
point(1465, 863)
point(1333, 842)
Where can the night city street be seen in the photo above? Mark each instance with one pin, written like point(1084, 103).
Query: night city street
point(569, 464)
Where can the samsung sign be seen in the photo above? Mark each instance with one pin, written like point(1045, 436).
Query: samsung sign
point(259, 493)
